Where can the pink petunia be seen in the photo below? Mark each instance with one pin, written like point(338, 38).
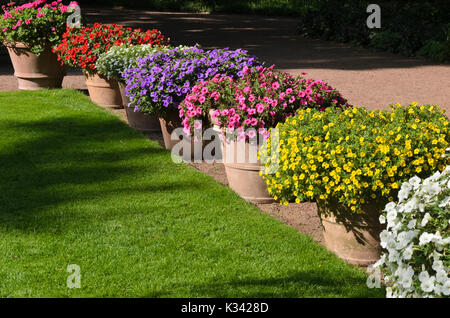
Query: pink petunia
point(198, 125)
point(259, 108)
point(251, 133)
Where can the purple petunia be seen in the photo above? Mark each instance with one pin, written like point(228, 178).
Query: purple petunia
point(161, 81)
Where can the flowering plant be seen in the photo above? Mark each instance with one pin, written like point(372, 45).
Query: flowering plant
point(113, 63)
point(355, 156)
point(37, 24)
point(163, 79)
point(259, 99)
point(81, 47)
point(417, 259)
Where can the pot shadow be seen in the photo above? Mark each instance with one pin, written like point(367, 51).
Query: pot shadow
point(360, 224)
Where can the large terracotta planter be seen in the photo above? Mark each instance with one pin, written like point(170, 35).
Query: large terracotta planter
point(351, 236)
point(137, 120)
point(196, 148)
point(104, 92)
point(243, 172)
point(35, 72)
point(168, 124)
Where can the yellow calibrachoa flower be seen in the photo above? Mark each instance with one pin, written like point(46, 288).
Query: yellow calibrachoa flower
point(355, 155)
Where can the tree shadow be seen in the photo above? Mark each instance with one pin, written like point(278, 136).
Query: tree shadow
point(72, 160)
point(273, 39)
point(325, 283)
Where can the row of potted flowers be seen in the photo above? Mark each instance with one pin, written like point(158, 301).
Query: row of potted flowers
point(351, 161)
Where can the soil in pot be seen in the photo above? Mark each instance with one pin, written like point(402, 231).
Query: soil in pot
point(354, 237)
point(35, 72)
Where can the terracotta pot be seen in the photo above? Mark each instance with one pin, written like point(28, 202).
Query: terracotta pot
point(242, 169)
point(168, 124)
point(103, 92)
point(218, 155)
point(351, 236)
point(35, 72)
point(196, 148)
point(138, 120)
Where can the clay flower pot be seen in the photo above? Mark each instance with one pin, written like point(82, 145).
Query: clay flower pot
point(168, 124)
point(104, 92)
point(242, 169)
point(196, 148)
point(35, 72)
point(137, 120)
point(351, 236)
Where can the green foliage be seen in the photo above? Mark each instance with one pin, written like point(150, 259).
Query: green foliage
point(439, 51)
point(406, 26)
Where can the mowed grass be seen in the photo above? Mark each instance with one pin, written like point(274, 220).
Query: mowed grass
point(78, 186)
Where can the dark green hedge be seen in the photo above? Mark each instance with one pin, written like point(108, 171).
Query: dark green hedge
point(407, 27)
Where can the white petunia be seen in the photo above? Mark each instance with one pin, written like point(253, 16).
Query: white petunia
point(415, 182)
point(423, 276)
point(391, 216)
point(441, 276)
point(409, 206)
point(425, 219)
point(404, 192)
point(427, 284)
point(446, 288)
point(425, 238)
point(407, 253)
point(412, 224)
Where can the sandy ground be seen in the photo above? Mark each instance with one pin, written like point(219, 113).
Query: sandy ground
point(366, 78)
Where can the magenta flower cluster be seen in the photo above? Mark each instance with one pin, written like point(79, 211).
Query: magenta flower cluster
point(37, 23)
point(258, 100)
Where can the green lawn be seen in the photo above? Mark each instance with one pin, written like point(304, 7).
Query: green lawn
point(78, 186)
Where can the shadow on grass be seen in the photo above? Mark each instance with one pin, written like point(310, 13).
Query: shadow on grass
point(67, 160)
point(325, 285)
